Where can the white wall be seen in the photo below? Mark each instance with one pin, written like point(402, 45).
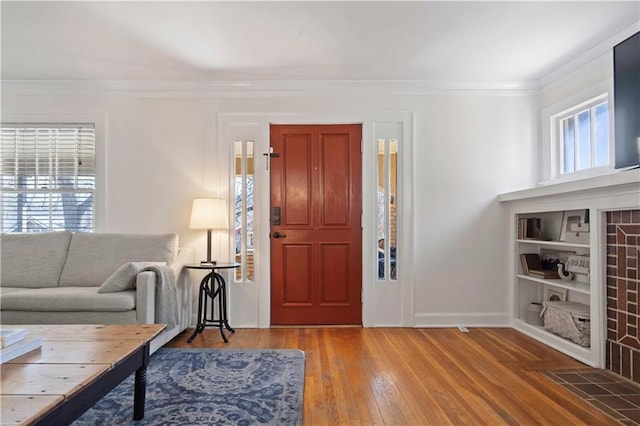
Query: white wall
point(468, 148)
point(578, 82)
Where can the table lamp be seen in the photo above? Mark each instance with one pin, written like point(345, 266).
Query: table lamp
point(209, 214)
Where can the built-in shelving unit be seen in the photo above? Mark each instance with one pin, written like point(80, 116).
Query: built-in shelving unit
point(530, 289)
point(598, 195)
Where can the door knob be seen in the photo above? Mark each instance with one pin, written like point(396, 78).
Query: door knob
point(278, 235)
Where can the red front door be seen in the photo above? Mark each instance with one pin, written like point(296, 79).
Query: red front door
point(316, 234)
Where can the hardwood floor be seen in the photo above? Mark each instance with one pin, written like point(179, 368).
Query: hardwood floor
point(412, 376)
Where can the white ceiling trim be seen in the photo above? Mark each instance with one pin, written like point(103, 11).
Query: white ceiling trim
point(204, 89)
point(299, 88)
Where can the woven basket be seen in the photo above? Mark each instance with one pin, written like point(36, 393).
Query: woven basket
point(569, 320)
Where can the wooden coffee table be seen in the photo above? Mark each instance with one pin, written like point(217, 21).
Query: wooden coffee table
point(76, 366)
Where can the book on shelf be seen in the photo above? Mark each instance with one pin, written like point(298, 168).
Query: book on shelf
point(28, 344)
point(532, 265)
point(530, 261)
point(9, 336)
point(529, 228)
point(544, 273)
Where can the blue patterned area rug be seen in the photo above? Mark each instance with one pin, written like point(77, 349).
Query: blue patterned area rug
point(211, 387)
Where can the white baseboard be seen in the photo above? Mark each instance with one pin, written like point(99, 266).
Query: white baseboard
point(463, 319)
point(434, 320)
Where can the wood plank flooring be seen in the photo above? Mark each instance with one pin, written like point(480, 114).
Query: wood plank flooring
point(413, 376)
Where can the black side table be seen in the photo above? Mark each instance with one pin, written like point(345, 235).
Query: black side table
point(212, 287)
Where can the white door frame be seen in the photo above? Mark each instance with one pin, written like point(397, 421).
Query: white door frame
point(384, 303)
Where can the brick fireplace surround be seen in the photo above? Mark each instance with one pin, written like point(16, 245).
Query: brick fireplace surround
point(623, 293)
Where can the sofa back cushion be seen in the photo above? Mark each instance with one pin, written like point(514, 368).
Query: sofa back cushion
point(94, 257)
point(33, 260)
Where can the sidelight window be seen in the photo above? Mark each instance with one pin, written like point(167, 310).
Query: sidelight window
point(244, 204)
point(387, 229)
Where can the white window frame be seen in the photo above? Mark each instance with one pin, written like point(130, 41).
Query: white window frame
point(558, 136)
point(99, 120)
point(552, 151)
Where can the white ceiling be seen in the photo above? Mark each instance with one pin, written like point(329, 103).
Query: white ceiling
point(281, 41)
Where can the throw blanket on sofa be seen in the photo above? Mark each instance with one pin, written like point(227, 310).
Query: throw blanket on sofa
point(166, 312)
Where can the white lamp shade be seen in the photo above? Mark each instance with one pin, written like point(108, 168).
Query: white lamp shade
point(209, 213)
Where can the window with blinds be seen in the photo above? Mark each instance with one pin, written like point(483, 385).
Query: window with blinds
point(48, 175)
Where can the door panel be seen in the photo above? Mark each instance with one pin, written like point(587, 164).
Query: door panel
point(335, 274)
point(334, 178)
point(316, 264)
point(297, 175)
point(297, 267)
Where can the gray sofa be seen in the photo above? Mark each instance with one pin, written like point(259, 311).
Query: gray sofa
point(55, 278)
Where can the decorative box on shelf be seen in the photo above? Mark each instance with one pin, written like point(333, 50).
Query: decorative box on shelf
point(578, 233)
point(533, 314)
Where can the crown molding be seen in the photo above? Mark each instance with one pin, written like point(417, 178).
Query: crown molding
point(299, 88)
point(204, 89)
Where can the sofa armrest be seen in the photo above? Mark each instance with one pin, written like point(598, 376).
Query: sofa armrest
point(146, 297)
point(184, 287)
point(146, 291)
point(184, 257)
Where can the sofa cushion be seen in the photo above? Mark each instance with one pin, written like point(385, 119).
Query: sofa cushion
point(124, 278)
point(63, 299)
point(94, 257)
point(33, 260)
point(8, 290)
point(69, 317)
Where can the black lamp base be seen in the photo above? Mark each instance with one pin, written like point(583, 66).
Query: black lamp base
point(208, 261)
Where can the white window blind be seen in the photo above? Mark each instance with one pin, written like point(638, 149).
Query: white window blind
point(48, 174)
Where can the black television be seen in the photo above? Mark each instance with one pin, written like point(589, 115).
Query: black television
point(626, 99)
